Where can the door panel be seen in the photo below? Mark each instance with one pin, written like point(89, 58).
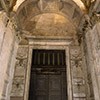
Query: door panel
point(48, 87)
point(55, 87)
point(41, 87)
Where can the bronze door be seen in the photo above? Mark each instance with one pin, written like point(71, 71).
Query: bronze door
point(48, 76)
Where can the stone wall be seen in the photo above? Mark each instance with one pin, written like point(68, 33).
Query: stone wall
point(8, 47)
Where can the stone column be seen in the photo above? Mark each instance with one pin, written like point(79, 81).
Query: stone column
point(8, 47)
point(2, 28)
point(93, 49)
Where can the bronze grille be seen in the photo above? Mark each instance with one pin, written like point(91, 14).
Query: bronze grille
point(47, 58)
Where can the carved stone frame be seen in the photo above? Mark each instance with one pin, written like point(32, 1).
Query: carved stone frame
point(49, 44)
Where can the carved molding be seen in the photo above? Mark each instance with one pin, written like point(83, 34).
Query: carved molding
point(77, 71)
point(20, 72)
point(95, 18)
point(16, 28)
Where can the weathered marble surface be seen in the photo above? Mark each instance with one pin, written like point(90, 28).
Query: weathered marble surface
point(8, 48)
point(77, 73)
point(20, 72)
point(93, 58)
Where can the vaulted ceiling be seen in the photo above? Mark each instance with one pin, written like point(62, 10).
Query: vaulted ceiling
point(49, 18)
point(58, 18)
point(11, 3)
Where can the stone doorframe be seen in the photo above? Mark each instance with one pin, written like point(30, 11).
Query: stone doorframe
point(60, 44)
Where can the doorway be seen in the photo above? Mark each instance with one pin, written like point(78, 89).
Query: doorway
point(48, 75)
